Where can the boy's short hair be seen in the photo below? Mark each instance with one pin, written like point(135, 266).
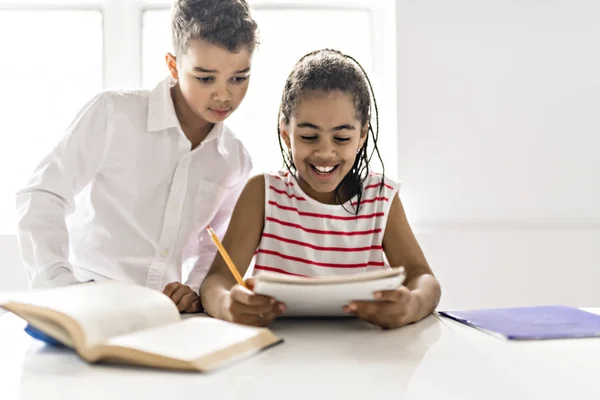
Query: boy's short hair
point(225, 23)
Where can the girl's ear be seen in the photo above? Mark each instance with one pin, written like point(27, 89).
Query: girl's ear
point(364, 131)
point(363, 135)
point(285, 135)
point(171, 61)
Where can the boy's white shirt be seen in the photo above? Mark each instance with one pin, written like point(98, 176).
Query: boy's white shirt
point(139, 200)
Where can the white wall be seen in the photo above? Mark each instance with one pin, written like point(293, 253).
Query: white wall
point(499, 117)
point(515, 267)
point(499, 111)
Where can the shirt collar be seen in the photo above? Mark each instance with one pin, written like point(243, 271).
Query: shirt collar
point(161, 111)
point(162, 116)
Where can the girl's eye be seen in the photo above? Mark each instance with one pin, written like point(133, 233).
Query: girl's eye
point(342, 139)
point(239, 79)
point(310, 138)
point(205, 79)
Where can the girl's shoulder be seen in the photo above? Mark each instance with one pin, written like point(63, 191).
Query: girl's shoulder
point(376, 181)
point(282, 180)
point(278, 175)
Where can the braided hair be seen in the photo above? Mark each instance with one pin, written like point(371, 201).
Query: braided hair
point(330, 70)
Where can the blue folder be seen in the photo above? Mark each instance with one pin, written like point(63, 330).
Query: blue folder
point(530, 323)
point(39, 335)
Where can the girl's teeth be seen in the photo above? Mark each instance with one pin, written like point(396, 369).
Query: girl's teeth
point(324, 169)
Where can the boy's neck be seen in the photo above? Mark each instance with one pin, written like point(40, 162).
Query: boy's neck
point(195, 128)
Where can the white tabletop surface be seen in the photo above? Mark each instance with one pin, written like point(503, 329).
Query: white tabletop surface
point(433, 359)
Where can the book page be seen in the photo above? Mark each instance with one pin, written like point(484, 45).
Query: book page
point(189, 340)
point(326, 300)
point(104, 309)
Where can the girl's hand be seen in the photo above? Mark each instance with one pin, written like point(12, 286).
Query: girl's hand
point(243, 306)
point(391, 309)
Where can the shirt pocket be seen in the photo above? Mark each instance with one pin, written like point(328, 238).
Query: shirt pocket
point(208, 198)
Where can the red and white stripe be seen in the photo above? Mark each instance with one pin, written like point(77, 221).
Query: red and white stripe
point(304, 237)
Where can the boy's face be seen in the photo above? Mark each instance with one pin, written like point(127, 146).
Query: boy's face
point(324, 135)
point(212, 79)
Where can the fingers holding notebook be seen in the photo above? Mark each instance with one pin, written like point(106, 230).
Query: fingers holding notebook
point(390, 308)
point(246, 307)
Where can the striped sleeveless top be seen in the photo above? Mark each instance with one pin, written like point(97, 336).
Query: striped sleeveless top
point(302, 236)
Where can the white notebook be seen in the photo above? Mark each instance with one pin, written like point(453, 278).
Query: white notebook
point(325, 296)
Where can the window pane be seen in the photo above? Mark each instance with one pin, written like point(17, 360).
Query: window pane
point(49, 68)
point(284, 39)
point(156, 42)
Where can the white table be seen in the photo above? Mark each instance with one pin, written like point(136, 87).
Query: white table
point(434, 359)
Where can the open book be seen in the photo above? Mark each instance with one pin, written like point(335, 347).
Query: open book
point(325, 296)
point(121, 323)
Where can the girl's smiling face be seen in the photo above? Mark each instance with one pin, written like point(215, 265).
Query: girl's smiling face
point(324, 135)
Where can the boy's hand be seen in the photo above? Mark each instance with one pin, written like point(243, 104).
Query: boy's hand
point(392, 308)
point(243, 306)
point(183, 296)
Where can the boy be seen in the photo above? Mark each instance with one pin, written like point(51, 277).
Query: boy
point(142, 173)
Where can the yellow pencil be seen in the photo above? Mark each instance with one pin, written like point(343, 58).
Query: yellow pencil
point(226, 257)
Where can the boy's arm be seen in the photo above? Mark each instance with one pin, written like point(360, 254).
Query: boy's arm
point(48, 197)
point(402, 249)
point(241, 241)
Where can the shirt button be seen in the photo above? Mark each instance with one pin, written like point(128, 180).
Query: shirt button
point(174, 207)
point(164, 253)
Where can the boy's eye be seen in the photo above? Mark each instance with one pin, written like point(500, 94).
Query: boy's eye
point(239, 79)
point(309, 138)
point(205, 79)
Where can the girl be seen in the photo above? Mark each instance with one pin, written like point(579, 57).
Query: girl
point(327, 214)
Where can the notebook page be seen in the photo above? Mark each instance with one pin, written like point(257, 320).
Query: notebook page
point(324, 299)
point(304, 280)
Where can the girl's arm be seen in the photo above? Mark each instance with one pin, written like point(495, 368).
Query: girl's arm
point(401, 249)
point(241, 241)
